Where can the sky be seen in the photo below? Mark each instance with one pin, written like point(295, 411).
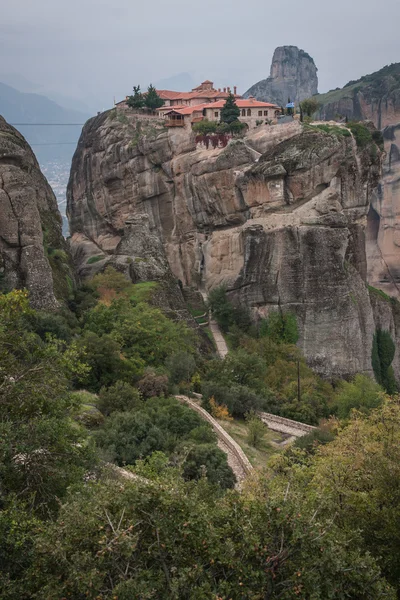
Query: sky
point(95, 50)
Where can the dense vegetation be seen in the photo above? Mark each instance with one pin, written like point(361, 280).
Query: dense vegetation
point(92, 386)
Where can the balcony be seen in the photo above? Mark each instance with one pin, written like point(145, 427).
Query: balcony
point(175, 122)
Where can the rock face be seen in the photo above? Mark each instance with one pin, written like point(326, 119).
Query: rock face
point(375, 97)
point(278, 217)
point(293, 75)
point(383, 231)
point(33, 253)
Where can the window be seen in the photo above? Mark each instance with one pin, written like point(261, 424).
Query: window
point(260, 113)
point(265, 113)
point(248, 112)
point(216, 114)
point(243, 112)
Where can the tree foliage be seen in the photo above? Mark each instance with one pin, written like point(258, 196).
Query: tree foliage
point(309, 106)
point(230, 112)
point(152, 99)
point(136, 100)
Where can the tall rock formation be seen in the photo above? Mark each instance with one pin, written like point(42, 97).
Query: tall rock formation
point(383, 231)
point(279, 217)
point(293, 75)
point(33, 253)
point(374, 97)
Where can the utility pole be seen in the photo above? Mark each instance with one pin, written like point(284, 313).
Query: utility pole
point(298, 381)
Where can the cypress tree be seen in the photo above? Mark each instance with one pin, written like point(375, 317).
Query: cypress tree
point(152, 99)
point(230, 112)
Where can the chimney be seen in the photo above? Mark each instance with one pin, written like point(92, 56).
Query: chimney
point(234, 89)
point(219, 89)
point(224, 90)
point(229, 90)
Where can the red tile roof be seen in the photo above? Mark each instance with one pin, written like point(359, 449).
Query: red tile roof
point(245, 103)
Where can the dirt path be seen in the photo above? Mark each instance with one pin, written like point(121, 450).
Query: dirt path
point(237, 459)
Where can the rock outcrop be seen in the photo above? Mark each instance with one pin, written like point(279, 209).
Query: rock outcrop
point(375, 98)
point(33, 253)
point(383, 231)
point(278, 217)
point(293, 75)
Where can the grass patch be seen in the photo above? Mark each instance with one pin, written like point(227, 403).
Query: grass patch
point(334, 130)
point(94, 259)
point(142, 292)
point(258, 457)
point(379, 293)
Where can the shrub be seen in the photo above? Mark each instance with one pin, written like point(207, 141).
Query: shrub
point(280, 327)
point(361, 393)
point(222, 310)
point(95, 259)
point(219, 411)
point(239, 399)
point(362, 134)
point(118, 397)
point(208, 460)
point(181, 367)
point(255, 430)
point(152, 385)
point(313, 440)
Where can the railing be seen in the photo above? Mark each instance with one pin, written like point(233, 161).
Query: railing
point(175, 123)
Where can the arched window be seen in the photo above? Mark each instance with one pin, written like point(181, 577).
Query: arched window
point(243, 112)
point(248, 112)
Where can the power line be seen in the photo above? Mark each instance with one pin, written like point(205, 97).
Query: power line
point(55, 144)
point(47, 124)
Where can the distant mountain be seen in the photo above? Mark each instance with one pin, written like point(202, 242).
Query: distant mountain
point(47, 141)
point(182, 82)
point(24, 85)
point(375, 97)
point(293, 75)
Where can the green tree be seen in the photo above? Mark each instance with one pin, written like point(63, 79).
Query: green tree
point(137, 99)
point(280, 327)
point(383, 351)
point(357, 480)
point(230, 112)
point(152, 99)
point(118, 397)
point(255, 430)
point(42, 451)
point(171, 540)
point(361, 393)
point(221, 309)
point(309, 106)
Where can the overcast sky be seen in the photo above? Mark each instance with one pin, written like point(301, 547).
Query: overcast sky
point(97, 49)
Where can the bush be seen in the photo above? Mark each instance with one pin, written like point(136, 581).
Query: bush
point(94, 259)
point(362, 134)
point(219, 411)
point(239, 399)
point(362, 393)
point(280, 327)
point(255, 430)
point(221, 309)
point(119, 397)
point(313, 440)
point(181, 367)
point(208, 460)
point(152, 385)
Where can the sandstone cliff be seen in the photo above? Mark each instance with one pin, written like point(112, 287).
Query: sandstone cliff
point(279, 217)
point(293, 75)
point(383, 231)
point(374, 97)
point(33, 253)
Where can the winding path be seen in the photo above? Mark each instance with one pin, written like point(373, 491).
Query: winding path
point(237, 459)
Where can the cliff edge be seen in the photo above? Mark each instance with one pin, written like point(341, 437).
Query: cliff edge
point(33, 252)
